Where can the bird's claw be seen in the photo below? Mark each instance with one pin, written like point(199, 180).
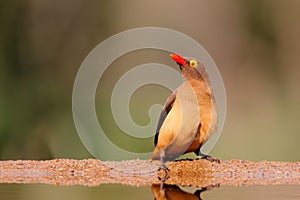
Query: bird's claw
point(211, 159)
point(165, 175)
point(163, 167)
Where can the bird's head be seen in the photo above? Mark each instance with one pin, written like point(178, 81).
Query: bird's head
point(190, 67)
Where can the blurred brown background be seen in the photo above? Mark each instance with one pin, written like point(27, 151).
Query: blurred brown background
point(254, 44)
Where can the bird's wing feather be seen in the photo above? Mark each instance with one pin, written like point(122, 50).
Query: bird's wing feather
point(167, 107)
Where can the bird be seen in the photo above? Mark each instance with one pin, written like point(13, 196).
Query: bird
point(189, 115)
point(172, 192)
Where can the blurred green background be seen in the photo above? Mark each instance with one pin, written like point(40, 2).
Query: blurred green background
point(254, 43)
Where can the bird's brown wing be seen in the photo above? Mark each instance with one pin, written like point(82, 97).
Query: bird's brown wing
point(167, 107)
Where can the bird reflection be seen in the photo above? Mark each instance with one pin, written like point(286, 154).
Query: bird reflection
point(174, 192)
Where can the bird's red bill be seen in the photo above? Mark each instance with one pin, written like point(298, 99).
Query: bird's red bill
point(179, 59)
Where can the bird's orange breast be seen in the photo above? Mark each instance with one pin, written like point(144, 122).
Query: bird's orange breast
point(207, 123)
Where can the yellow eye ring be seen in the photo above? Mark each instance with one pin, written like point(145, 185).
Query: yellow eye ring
point(193, 63)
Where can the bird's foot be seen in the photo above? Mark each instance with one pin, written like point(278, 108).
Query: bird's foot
point(211, 159)
point(162, 166)
point(185, 159)
point(207, 157)
point(162, 177)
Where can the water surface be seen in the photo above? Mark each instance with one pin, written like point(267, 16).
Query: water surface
point(116, 191)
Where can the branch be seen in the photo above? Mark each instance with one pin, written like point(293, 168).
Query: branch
point(199, 173)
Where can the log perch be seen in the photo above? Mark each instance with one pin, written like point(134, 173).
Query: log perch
point(198, 173)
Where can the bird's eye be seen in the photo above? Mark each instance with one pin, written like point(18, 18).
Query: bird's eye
point(193, 63)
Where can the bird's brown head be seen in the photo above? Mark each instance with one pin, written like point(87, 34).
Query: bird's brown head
point(189, 67)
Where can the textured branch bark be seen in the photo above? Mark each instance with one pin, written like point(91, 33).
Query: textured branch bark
point(199, 173)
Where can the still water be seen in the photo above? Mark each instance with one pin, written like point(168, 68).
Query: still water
point(114, 191)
